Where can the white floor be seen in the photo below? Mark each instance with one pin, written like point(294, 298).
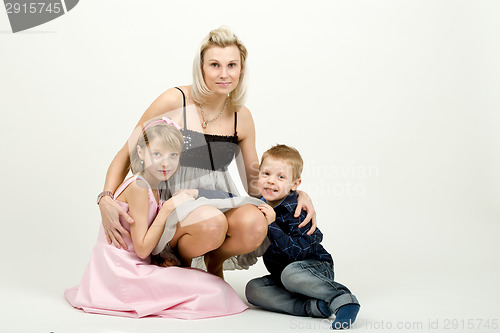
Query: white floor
point(394, 106)
point(435, 271)
point(444, 300)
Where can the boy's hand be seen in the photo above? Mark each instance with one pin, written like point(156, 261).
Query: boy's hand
point(268, 212)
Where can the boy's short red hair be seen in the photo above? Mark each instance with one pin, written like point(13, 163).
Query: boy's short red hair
point(288, 154)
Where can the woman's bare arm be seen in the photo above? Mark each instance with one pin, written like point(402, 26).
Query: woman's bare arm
point(248, 166)
point(248, 162)
point(304, 202)
point(167, 104)
point(110, 210)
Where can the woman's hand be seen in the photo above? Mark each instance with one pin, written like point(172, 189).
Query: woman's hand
point(110, 215)
point(304, 203)
point(268, 212)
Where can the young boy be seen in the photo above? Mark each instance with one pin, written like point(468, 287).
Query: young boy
point(301, 282)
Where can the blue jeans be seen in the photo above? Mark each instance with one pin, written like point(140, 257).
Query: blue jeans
point(297, 291)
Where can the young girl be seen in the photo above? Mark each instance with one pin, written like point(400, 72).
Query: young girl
point(124, 282)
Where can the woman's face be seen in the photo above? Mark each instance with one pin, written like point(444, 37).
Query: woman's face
point(222, 68)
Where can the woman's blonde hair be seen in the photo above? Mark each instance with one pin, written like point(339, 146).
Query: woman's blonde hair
point(166, 132)
point(221, 37)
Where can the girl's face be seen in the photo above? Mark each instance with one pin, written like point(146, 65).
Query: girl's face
point(222, 68)
point(160, 161)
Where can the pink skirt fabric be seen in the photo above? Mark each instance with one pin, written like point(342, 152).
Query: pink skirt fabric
point(117, 282)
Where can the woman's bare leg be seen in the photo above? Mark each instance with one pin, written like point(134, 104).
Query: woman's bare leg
point(202, 231)
point(247, 229)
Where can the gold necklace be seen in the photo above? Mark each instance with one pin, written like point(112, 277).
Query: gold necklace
point(205, 122)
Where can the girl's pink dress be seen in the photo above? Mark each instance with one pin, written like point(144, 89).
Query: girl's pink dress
point(117, 282)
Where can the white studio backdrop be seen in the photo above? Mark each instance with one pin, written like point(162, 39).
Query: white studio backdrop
point(394, 106)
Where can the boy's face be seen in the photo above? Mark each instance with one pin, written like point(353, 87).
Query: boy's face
point(276, 180)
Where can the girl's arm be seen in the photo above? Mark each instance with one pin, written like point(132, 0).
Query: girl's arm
point(248, 161)
point(146, 237)
point(167, 104)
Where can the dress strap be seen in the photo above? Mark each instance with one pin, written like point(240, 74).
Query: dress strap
point(144, 180)
point(127, 183)
point(123, 186)
point(235, 122)
point(183, 106)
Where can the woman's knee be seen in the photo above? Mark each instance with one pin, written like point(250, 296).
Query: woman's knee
point(215, 229)
point(250, 224)
point(257, 226)
point(203, 214)
point(256, 216)
point(208, 223)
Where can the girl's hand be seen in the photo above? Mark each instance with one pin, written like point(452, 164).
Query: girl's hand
point(191, 192)
point(304, 203)
point(110, 215)
point(268, 212)
point(178, 199)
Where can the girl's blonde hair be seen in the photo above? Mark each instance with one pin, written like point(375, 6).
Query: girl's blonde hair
point(166, 132)
point(221, 37)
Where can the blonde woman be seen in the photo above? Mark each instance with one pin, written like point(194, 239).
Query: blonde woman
point(217, 127)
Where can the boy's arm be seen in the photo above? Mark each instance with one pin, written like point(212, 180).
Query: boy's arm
point(296, 244)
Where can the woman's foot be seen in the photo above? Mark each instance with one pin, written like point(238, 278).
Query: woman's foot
point(213, 267)
point(168, 262)
point(169, 256)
